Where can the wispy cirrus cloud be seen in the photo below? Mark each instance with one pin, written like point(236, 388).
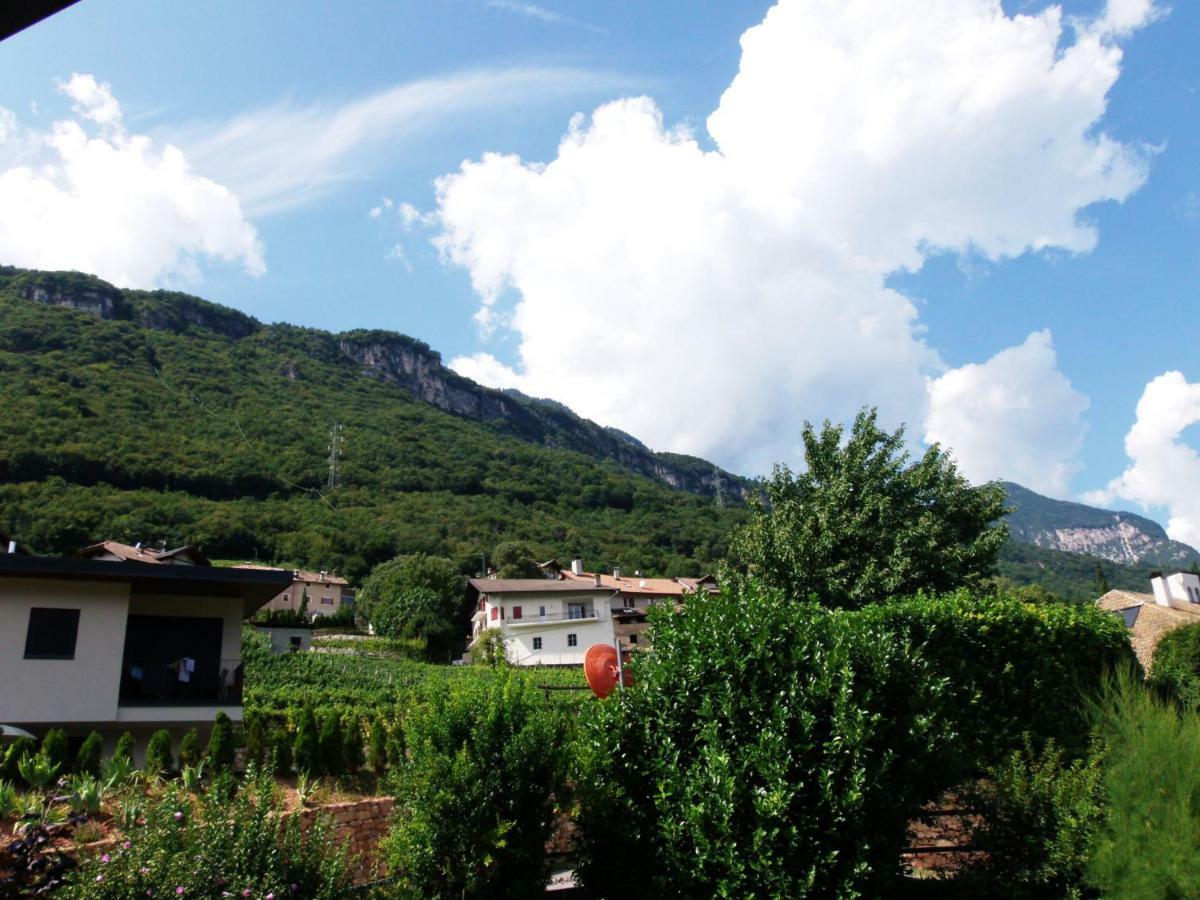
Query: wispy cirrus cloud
point(286, 155)
point(540, 14)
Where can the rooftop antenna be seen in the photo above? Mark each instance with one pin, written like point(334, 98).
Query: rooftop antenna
point(335, 455)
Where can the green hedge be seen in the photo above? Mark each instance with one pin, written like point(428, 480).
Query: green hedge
point(768, 748)
point(1012, 667)
point(1175, 672)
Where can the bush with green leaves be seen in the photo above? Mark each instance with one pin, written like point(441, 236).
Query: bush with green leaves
point(280, 751)
point(863, 522)
point(1012, 667)
point(352, 746)
point(330, 745)
point(189, 749)
point(1175, 671)
point(377, 743)
point(415, 596)
point(1150, 840)
point(159, 758)
point(475, 802)
point(124, 747)
point(220, 752)
point(227, 842)
point(87, 760)
point(1038, 816)
point(12, 754)
point(38, 771)
point(307, 747)
point(54, 746)
point(768, 748)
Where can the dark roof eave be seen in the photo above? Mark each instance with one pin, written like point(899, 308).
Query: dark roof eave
point(254, 587)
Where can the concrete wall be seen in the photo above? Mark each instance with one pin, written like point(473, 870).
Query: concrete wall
point(54, 691)
point(281, 638)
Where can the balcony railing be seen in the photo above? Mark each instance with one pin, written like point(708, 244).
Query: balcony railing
point(569, 616)
point(203, 683)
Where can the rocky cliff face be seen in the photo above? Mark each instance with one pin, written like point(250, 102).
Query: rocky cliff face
point(1121, 537)
point(417, 368)
point(395, 358)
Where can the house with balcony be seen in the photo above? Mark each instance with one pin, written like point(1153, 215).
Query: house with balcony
point(110, 643)
point(543, 621)
point(325, 592)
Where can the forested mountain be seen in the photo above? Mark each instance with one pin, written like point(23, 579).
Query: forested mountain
point(1120, 537)
point(159, 416)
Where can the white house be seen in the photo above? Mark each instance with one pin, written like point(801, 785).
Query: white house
point(543, 621)
point(122, 645)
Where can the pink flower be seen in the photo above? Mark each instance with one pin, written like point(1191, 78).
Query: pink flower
point(99, 878)
point(246, 892)
point(127, 845)
point(270, 897)
point(104, 858)
point(178, 816)
point(179, 890)
point(144, 870)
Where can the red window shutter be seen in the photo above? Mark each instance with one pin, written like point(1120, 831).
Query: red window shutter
point(516, 612)
point(495, 613)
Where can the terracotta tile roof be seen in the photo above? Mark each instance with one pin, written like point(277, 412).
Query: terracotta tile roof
point(298, 574)
point(1150, 622)
point(122, 551)
point(531, 585)
point(631, 584)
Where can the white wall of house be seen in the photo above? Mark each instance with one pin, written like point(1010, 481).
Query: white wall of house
point(83, 689)
point(522, 617)
point(1176, 590)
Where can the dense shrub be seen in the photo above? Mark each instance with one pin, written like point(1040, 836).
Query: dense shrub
point(1013, 668)
point(159, 759)
point(1175, 671)
point(1038, 819)
point(307, 749)
point(330, 745)
point(768, 748)
point(54, 748)
point(352, 746)
point(1150, 841)
point(280, 751)
point(377, 747)
point(223, 844)
point(87, 760)
point(12, 756)
point(124, 748)
point(189, 749)
point(220, 750)
point(475, 803)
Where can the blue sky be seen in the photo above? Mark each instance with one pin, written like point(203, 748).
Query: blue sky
point(311, 118)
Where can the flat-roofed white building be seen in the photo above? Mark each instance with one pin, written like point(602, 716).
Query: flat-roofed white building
point(114, 645)
point(543, 621)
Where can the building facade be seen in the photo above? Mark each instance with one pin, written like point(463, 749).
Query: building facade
point(542, 621)
point(325, 591)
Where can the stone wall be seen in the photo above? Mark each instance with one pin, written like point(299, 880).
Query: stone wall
point(361, 823)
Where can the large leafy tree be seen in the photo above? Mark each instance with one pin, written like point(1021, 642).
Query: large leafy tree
point(415, 596)
point(864, 521)
point(515, 559)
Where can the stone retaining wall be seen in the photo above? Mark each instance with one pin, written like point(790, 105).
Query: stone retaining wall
point(361, 824)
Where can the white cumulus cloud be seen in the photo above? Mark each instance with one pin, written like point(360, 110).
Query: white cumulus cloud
point(1014, 417)
point(1164, 469)
point(87, 195)
point(709, 300)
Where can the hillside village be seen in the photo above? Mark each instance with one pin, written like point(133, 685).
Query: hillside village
point(641, 450)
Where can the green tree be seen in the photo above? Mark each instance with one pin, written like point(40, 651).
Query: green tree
point(189, 749)
point(307, 753)
point(220, 744)
point(1175, 669)
point(377, 748)
point(159, 759)
point(54, 746)
point(1101, 580)
point(863, 522)
point(788, 767)
point(330, 744)
point(352, 745)
point(475, 804)
point(416, 596)
point(87, 760)
point(124, 748)
point(515, 559)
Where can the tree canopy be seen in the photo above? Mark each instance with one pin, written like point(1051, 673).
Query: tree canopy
point(415, 596)
point(864, 522)
point(515, 559)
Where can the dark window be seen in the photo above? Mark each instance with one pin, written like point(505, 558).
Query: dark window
point(633, 639)
point(296, 641)
point(537, 643)
point(52, 633)
point(572, 640)
point(516, 612)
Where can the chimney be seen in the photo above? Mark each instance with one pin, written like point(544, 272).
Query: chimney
point(617, 572)
point(138, 546)
point(491, 573)
point(12, 546)
point(597, 579)
point(1162, 593)
point(577, 566)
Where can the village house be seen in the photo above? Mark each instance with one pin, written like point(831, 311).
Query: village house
point(552, 620)
point(1174, 602)
point(110, 642)
point(325, 592)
